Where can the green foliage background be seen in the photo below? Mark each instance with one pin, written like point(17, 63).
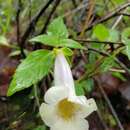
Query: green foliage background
point(98, 50)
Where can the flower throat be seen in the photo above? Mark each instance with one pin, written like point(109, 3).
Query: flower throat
point(67, 109)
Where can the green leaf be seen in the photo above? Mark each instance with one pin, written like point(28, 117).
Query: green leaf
point(97, 45)
point(40, 127)
point(112, 121)
point(119, 75)
point(125, 34)
point(67, 51)
point(57, 36)
point(117, 2)
point(92, 58)
point(36, 66)
point(127, 45)
point(71, 44)
point(15, 53)
point(50, 40)
point(89, 85)
point(54, 41)
point(79, 89)
point(3, 41)
point(58, 28)
point(101, 32)
point(90, 67)
point(107, 64)
point(126, 39)
point(114, 35)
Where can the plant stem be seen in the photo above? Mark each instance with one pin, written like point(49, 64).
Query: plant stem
point(36, 95)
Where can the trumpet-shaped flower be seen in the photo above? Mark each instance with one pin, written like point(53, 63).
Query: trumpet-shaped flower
point(63, 110)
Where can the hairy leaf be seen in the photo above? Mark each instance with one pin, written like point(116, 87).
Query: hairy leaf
point(58, 28)
point(31, 70)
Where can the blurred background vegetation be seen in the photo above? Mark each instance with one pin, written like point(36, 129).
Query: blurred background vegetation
point(101, 72)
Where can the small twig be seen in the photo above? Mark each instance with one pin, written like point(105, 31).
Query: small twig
point(95, 41)
point(102, 121)
point(98, 51)
point(109, 104)
point(124, 14)
point(91, 5)
point(50, 15)
point(118, 20)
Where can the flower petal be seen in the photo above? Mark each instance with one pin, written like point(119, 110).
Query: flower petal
point(62, 73)
point(75, 124)
point(47, 113)
point(78, 99)
point(55, 94)
point(87, 108)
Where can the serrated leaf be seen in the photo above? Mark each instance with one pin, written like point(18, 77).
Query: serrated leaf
point(58, 28)
point(54, 41)
point(101, 32)
point(57, 36)
point(71, 44)
point(50, 40)
point(36, 66)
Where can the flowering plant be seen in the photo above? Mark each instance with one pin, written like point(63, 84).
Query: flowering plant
point(62, 108)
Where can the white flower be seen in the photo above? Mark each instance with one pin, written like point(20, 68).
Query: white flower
point(63, 110)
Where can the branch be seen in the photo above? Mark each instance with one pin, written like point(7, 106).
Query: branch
point(37, 46)
point(109, 16)
point(124, 14)
point(109, 104)
point(33, 22)
point(91, 5)
point(19, 7)
point(50, 15)
point(116, 59)
point(95, 41)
